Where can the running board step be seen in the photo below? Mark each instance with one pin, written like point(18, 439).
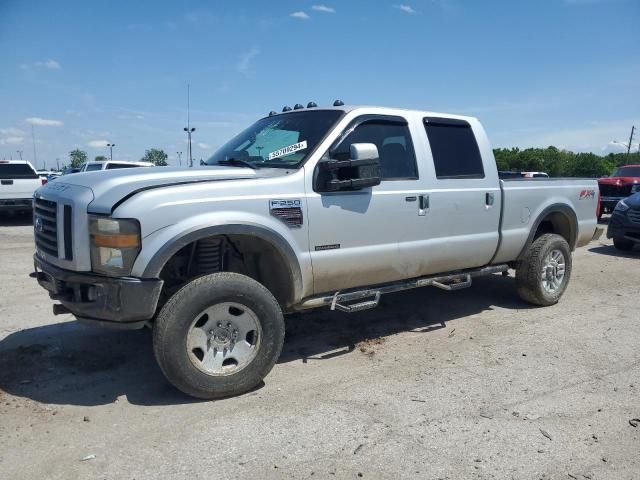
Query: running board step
point(455, 285)
point(355, 307)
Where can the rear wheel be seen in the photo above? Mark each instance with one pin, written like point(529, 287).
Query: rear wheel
point(218, 336)
point(544, 271)
point(622, 244)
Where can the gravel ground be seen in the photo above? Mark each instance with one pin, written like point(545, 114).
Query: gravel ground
point(464, 385)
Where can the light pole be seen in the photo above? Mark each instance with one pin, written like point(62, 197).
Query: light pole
point(189, 132)
point(19, 153)
point(111, 145)
point(179, 158)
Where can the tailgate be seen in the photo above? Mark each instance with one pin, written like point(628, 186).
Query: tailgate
point(11, 188)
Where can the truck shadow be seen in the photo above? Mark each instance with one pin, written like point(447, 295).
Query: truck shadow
point(612, 251)
point(70, 363)
point(17, 220)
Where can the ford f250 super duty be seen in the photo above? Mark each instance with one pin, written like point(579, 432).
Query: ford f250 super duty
point(312, 207)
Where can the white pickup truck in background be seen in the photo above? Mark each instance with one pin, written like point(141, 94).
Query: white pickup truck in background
point(18, 181)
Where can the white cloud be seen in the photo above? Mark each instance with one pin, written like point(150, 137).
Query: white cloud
point(43, 122)
point(97, 143)
point(406, 8)
point(323, 8)
point(245, 60)
point(11, 131)
point(49, 64)
point(204, 146)
point(300, 15)
point(11, 140)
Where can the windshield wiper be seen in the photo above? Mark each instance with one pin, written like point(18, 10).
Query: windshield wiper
point(237, 162)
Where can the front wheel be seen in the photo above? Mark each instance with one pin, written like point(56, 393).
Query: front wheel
point(218, 336)
point(544, 271)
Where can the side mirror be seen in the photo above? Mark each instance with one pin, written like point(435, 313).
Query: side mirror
point(362, 170)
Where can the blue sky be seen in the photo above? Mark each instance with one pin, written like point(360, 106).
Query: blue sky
point(84, 73)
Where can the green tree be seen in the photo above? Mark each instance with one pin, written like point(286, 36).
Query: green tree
point(100, 158)
point(77, 157)
point(156, 156)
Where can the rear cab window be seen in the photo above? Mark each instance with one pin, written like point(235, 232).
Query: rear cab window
point(111, 166)
point(454, 148)
point(93, 167)
point(14, 171)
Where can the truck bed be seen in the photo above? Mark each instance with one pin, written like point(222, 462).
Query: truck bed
point(525, 199)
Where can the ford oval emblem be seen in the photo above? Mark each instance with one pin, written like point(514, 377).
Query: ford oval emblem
point(38, 225)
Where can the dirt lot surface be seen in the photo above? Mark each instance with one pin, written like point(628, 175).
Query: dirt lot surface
point(464, 385)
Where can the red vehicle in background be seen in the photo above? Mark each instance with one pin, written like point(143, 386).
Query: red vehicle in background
point(624, 182)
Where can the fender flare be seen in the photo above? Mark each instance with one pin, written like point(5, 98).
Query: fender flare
point(170, 248)
point(563, 209)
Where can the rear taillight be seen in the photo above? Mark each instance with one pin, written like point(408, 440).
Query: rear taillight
point(44, 181)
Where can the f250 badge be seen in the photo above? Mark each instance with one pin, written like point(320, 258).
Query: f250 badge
point(587, 194)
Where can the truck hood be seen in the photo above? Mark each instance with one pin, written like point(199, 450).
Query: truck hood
point(618, 180)
point(110, 187)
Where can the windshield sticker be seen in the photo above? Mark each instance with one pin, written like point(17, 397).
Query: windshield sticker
point(288, 150)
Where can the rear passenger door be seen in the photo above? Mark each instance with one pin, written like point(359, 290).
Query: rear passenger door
point(463, 196)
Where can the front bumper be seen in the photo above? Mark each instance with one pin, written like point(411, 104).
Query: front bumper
point(621, 226)
point(124, 302)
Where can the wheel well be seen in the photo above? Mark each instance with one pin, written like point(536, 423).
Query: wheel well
point(240, 253)
point(558, 223)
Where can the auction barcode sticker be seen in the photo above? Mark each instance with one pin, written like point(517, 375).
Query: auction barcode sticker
point(288, 150)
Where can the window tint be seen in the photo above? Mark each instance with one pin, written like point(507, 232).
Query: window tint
point(10, 171)
point(397, 158)
point(111, 166)
point(454, 148)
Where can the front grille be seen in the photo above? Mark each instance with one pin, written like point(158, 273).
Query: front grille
point(634, 215)
point(615, 190)
point(45, 223)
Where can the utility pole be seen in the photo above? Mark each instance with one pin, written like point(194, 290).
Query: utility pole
point(35, 158)
point(188, 128)
point(19, 153)
point(111, 145)
point(179, 158)
point(57, 164)
point(633, 128)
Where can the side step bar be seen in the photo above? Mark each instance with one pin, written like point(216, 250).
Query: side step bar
point(357, 300)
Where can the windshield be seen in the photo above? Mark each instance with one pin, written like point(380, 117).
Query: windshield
point(281, 141)
point(626, 172)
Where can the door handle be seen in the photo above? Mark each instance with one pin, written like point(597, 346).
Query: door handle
point(489, 199)
point(423, 204)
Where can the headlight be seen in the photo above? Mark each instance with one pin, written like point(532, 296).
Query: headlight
point(621, 206)
point(115, 244)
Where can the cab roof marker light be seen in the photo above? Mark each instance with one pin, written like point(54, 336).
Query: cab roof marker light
point(286, 108)
point(272, 113)
point(297, 106)
point(338, 103)
point(312, 105)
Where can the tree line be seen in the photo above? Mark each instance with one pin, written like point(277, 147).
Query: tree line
point(561, 163)
point(555, 162)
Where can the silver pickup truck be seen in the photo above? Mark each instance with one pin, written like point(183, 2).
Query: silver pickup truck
point(312, 207)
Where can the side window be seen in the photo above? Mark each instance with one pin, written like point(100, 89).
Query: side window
point(397, 158)
point(454, 148)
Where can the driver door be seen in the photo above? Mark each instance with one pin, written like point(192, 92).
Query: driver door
point(354, 235)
